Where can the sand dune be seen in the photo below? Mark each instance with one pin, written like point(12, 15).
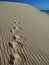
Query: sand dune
point(34, 46)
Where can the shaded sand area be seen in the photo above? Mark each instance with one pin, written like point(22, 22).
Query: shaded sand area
point(35, 27)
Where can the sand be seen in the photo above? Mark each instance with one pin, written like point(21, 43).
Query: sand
point(35, 27)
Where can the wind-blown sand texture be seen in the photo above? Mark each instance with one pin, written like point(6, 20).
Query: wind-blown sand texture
point(34, 50)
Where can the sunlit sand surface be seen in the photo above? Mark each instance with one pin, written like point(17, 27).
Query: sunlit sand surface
point(29, 39)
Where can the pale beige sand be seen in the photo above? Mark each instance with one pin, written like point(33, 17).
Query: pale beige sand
point(35, 25)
